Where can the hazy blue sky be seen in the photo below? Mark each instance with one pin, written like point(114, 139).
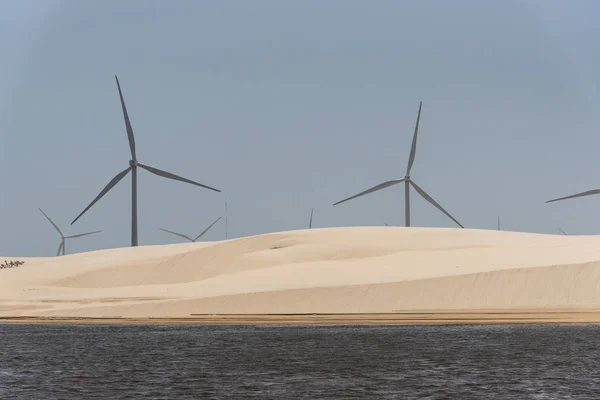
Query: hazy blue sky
point(288, 105)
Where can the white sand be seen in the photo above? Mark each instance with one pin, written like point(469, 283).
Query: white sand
point(337, 270)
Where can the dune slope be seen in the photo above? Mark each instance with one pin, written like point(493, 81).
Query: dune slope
point(336, 270)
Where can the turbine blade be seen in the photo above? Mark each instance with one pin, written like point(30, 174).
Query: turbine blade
point(206, 230)
point(52, 222)
point(385, 224)
point(81, 234)
point(413, 149)
point(177, 234)
point(588, 193)
point(310, 221)
point(169, 175)
point(373, 189)
point(60, 246)
point(563, 232)
point(127, 123)
point(433, 202)
point(110, 185)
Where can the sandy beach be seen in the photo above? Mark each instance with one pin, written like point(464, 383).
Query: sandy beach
point(368, 275)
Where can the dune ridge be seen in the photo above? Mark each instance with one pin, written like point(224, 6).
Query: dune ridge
point(364, 270)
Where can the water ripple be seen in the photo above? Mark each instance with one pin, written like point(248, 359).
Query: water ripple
point(232, 362)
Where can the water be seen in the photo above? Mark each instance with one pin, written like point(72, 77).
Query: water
point(284, 362)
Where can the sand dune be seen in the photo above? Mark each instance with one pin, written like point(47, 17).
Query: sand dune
point(337, 270)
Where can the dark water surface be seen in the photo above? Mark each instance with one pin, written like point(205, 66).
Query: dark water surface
point(238, 362)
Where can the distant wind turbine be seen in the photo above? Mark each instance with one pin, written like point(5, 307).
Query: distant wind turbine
point(133, 165)
point(189, 238)
point(61, 246)
point(310, 221)
point(563, 232)
point(498, 222)
point(226, 233)
point(407, 183)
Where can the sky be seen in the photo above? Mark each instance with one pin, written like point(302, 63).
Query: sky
point(288, 106)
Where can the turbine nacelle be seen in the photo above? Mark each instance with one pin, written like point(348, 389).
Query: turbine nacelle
point(133, 163)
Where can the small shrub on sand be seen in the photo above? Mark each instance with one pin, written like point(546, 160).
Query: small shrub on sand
point(11, 264)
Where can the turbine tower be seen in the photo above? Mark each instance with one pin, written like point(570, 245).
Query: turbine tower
point(61, 246)
point(226, 233)
point(498, 222)
point(189, 238)
point(133, 166)
point(408, 182)
point(310, 221)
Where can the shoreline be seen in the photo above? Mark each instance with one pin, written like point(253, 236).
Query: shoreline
point(457, 318)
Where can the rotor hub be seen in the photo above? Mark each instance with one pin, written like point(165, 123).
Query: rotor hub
point(133, 163)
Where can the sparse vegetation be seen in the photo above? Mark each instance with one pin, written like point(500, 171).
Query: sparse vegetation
point(280, 246)
point(11, 264)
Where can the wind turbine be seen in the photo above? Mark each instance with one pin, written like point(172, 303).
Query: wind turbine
point(226, 233)
point(133, 166)
point(408, 182)
point(61, 246)
point(189, 238)
point(498, 222)
point(310, 221)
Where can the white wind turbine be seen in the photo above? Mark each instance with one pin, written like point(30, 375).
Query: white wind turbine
point(61, 246)
point(408, 182)
point(133, 168)
point(189, 238)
